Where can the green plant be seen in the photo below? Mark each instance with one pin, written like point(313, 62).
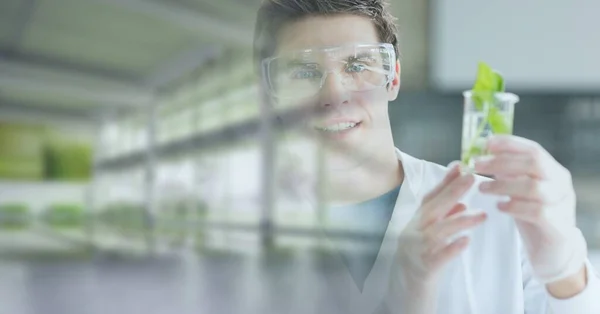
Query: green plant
point(67, 160)
point(21, 152)
point(488, 83)
point(64, 216)
point(15, 216)
point(484, 92)
point(127, 218)
point(33, 152)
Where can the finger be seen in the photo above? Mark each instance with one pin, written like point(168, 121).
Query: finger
point(522, 187)
point(509, 164)
point(454, 225)
point(453, 173)
point(442, 203)
point(437, 235)
point(443, 256)
point(530, 211)
point(457, 209)
point(453, 164)
point(430, 230)
point(505, 143)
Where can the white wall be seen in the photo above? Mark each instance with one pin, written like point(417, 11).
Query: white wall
point(538, 45)
point(412, 21)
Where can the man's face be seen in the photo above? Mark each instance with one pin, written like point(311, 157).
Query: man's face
point(355, 121)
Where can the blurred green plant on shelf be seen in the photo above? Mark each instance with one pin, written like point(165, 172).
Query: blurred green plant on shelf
point(37, 153)
point(64, 216)
point(21, 152)
point(123, 217)
point(15, 217)
point(68, 160)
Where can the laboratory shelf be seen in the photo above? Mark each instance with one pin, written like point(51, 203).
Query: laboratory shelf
point(277, 230)
point(203, 141)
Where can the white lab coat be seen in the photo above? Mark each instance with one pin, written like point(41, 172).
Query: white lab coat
point(492, 276)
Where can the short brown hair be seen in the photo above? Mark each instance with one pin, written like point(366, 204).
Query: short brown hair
point(274, 14)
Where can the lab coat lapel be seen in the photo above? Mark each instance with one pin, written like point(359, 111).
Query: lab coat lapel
point(410, 194)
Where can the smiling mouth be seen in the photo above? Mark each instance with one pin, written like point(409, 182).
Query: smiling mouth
point(338, 127)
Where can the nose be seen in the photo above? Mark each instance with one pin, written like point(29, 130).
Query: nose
point(333, 92)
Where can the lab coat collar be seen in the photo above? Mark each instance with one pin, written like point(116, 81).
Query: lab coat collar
point(410, 193)
point(413, 171)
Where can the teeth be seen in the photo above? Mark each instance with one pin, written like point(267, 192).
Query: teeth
point(337, 127)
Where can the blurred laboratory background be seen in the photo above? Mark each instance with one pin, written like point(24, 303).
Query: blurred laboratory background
point(136, 174)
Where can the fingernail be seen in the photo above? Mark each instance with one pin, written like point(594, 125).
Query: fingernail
point(483, 159)
point(453, 164)
point(467, 178)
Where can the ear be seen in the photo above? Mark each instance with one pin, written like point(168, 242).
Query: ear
point(394, 87)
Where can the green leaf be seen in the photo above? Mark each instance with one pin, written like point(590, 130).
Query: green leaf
point(498, 122)
point(474, 150)
point(487, 83)
point(485, 78)
point(499, 82)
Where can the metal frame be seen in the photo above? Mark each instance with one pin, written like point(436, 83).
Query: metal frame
point(21, 75)
point(150, 180)
point(116, 98)
point(267, 140)
point(197, 142)
point(11, 108)
point(32, 59)
point(24, 20)
point(361, 236)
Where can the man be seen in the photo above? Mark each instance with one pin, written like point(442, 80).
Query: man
point(450, 242)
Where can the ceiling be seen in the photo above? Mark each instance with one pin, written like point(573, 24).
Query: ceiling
point(98, 55)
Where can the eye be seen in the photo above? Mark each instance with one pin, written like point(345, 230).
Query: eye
point(356, 67)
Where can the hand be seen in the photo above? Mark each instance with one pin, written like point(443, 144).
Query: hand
point(542, 201)
point(424, 246)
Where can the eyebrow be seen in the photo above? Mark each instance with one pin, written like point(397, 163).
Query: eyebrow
point(359, 56)
point(299, 62)
point(314, 64)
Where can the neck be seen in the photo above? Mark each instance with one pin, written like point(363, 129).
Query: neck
point(373, 177)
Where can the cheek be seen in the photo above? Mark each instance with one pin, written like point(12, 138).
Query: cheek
point(377, 97)
point(374, 103)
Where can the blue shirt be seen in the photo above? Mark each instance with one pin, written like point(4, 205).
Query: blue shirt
point(370, 216)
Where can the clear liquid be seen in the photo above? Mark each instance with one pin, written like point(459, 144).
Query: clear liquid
point(476, 132)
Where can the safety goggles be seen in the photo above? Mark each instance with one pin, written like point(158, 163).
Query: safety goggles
point(303, 73)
